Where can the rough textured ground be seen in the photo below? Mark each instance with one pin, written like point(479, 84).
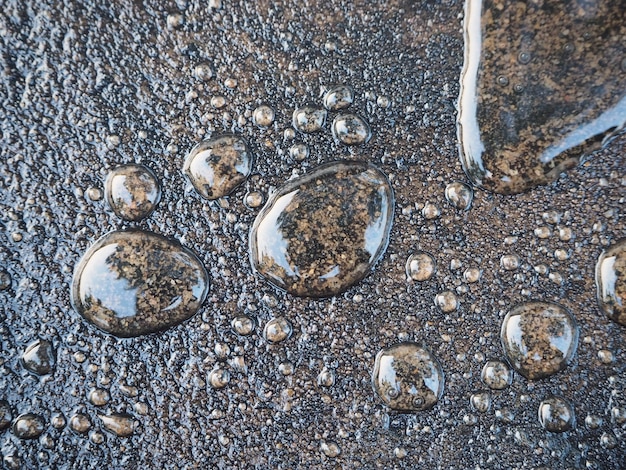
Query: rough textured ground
point(86, 87)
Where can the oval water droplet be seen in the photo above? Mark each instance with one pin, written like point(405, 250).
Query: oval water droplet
point(556, 415)
point(351, 129)
point(321, 233)
point(28, 426)
point(120, 424)
point(338, 97)
point(309, 119)
point(611, 282)
point(39, 357)
point(131, 283)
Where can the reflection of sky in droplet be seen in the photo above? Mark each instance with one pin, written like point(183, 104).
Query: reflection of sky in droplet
point(514, 333)
point(375, 232)
point(608, 278)
point(387, 372)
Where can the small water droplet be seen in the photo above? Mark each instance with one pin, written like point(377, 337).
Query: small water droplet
point(556, 415)
point(132, 191)
point(509, 262)
point(5, 415)
point(99, 397)
point(39, 357)
point(309, 119)
point(263, 116)
point(351, 129)
point(243, 325)
point(120, 424)
point(420, 266)
point(219, 378)
point(299, 151)
point(80, 423)
point(330, 449)
point(277, 330)
point(339, 97)
point(611, 282)
point(446, 301)
point(460, 195)
point(326, 378)
point(481, 402)
point(496, 375)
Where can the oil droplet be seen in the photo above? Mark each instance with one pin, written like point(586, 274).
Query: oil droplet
point(539, 338)
point(565, 106)
point(420, 266)
point(611, 282)
point(277, 330)
point(80, 423)
point(321, 233)
point(243, 325)
point(460, 195)
point(5, 415)
point(120, 424)
point(339, 97)
point(556, 415)
point(309, 119)
point(39, 357)
point(215, 167)
point(407, 377)
point(28, 426)
point(263, 116)
point(132, 191)
point(496, 375)
point(351, 129)
point(131, 283)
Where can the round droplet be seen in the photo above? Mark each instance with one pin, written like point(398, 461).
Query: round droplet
point(243, 325)
point(460, 195)
point(5, 415)
point(131, 283)
point(80, 423)
point(593, 422)
point(39, 357)
point(254, 199)
point(309, 119)
point(277, 330)
point(120, 424)
point(472, 275)
point(263, 116)
point(215, 167)
point(326, 378)
point(430, 211)
point(286, 368)
point(496, 375)
point(132, 191)
point(611, 282)
point(339, 97)
point(502, 80)
point(28, 426)
point(608, 440)
point(99, 397)
point(524, 57)
point(321, 233)
point(407, 377)
point(299, 152)
point(539, 338)
point(446, 301)
point(420, 266)
point(203, 71)
point(481, 402)
point(556, 415)
point(219, 378)
point(5, 280)
point(330, 449)
point(351, 129)
point(509, 262)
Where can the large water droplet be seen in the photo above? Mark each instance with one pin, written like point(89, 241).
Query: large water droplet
point(120, 424)
point(407, 377)
point(217, 166)
point(534, 100)
point(323, 232)
point(28, 426)
point(132, 191)
point(539, 338)
point(131, 283)
point(611, 282)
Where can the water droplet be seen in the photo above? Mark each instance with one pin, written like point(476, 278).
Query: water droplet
point(309, 119)
point(543, 232)
point(556, 415)
point(608, 440)
point(593, 422)
point(132, 191)
point(524, 57)
point(460, 195)
point(472, 275)
point(502, 80)
point(263, 116)
point(243, 325)
point(5, 280)
point(203, 71)
point(446, 301)
point(254, 199)
point(5, 415)
point(611, 282)
point(420, 266)
point(407, 377)
point(339, 97)
point(218, 102)
point(28, 426)
point(496, 375)
point(400, 452)
point(231, 83)
point(58, 421)
point(509, 262)
point(299, 152)
point(277, 330)
point(99, 397)
point(539, 338)
point(80, 423)
point(131, 283)
point(430, 211)
point(95, 194)
point(215, 167)
point(321, 233)
point(330, 449)
point(326, 378)
point(286, 368)
point(219, 378)
point(481, 402)
point(39, 357)
point(120, 424)
point(351, 129)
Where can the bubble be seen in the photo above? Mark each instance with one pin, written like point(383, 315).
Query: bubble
point(496, 375)
point(339, 97)
point(556, 415)
point(131, 283)
point(299, 151)
point(203, 71)
point(420, 266)
point(120, 424)
point(481, 402)
point(218, 102)
point(330, 449)
point(219, 378)
point(460, 195)
point(5, 415)
point(321, 233)
point(39, 357)
point(99, 397)
point(263, 116)
point(277, 329)
point(430, 211)
point(254, 199)
point(407, 377)
point(351, 129)
point(446, 301)
point(509, 262)
point(326, 378)
point(132, 191)
point(611, 282)
point(215, 167)
point(243, 325)
point(80, 423)
point(539, 339)
point(472, 275)
point(309, 119)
